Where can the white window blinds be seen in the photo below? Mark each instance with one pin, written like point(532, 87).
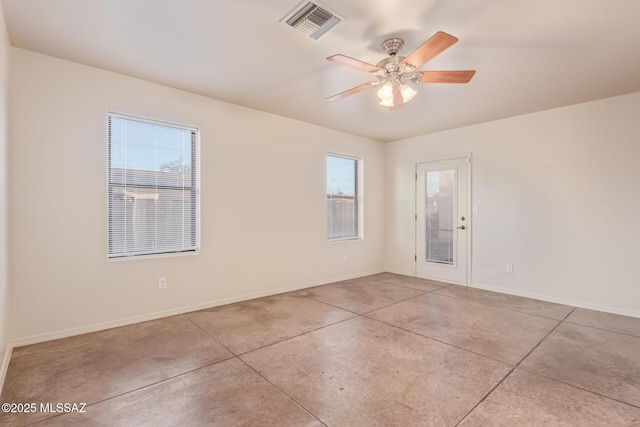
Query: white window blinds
point(152, 187)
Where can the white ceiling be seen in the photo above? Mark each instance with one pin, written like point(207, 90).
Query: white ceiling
point(529, 55)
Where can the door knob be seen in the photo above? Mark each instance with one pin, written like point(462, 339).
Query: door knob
point(462, 227)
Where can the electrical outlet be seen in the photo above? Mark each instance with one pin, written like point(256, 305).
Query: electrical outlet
point(510, 268)
point(344, 258)
point(162, 283)
point(476, 209)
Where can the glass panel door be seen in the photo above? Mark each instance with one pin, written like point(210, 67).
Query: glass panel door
point(439, 216)
point(442, 224)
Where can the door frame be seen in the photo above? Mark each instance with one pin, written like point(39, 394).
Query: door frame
point(469, 160)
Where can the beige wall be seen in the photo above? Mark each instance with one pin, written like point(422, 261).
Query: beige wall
point(558, 197)
point(4, 190)
point(263, 203)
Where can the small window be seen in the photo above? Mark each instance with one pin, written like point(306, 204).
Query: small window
point(343, 206)
point(153, 188)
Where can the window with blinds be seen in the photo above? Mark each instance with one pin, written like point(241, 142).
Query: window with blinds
point(153, 187)
point(342, 197)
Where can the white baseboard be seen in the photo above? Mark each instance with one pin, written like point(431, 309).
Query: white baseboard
point(48, 336)
point(404, 273)
point(6, 357)
point(564, 301)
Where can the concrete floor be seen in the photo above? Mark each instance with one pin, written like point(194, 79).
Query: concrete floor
point(384, 350)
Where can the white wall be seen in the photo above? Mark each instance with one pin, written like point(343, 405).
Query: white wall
point(559, 198)
point(4, 284)
point(262, 203)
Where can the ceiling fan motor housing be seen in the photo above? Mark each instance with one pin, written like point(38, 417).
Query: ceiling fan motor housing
point(392, 46)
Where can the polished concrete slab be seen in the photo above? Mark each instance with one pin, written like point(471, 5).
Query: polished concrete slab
point(608, 321)
point(529, 399)
point(253, 324)
point(378, 350)
point(92, 367)
point(363, 372)
point(225, 394)
point(409, 282)
point(604, 362)
point(504, 335)
point(360, 296)
point(510, 302)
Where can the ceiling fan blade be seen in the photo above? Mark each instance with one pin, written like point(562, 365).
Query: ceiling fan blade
point(437, 44)
point(350, 91)
point(354, 63)
point(397, 99)
point(462, 76)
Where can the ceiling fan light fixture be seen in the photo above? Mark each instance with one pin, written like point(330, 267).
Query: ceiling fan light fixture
point(407, 93)
point(385, 94)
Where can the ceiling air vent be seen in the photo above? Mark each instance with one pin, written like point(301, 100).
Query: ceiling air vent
point(311, 19)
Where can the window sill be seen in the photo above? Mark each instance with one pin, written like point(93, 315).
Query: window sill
point(346, 239)
point(151, 256)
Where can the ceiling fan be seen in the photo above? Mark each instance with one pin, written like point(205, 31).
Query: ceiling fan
point(395, 73)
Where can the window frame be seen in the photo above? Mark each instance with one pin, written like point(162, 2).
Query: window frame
point(358, 197)
point(195, 183)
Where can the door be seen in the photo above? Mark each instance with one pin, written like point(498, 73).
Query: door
point(442, 220)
